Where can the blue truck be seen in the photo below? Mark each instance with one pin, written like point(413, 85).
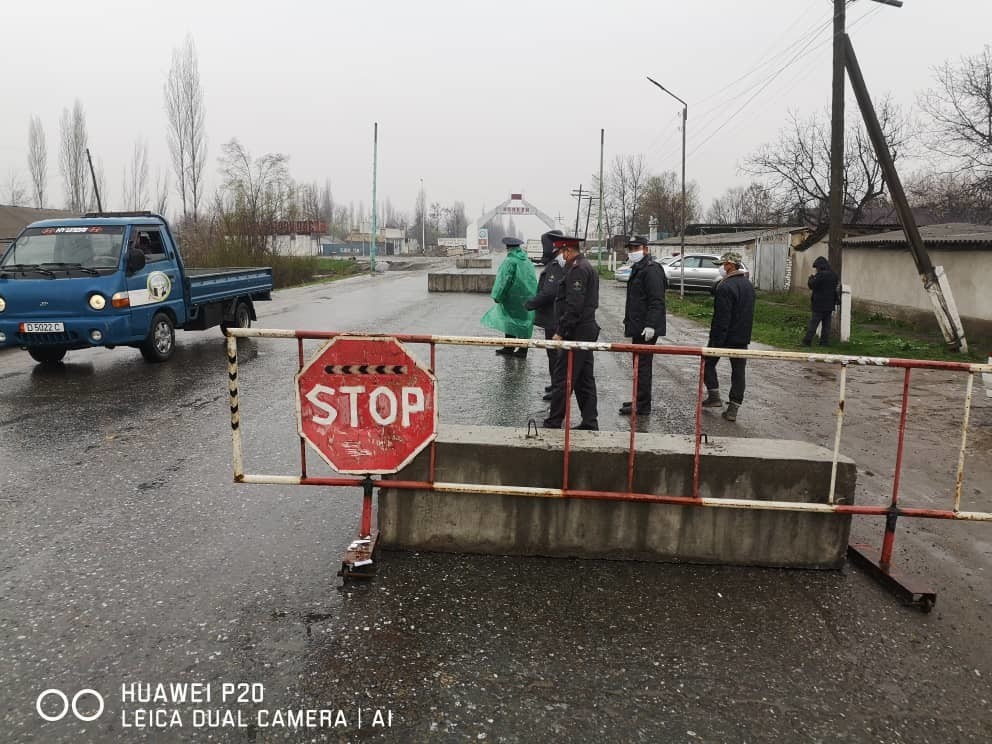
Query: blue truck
point(114, 279)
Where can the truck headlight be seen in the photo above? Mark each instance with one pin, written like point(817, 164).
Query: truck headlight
point(98, 301)
point(3, 304)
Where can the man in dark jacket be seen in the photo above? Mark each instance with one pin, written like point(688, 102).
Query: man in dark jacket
point(824, 285)
point(733, 316)
point(644, 316)
point(543, 303)
point(575, 311)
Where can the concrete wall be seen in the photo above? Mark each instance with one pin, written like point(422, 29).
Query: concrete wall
point(729, 468)
point(885, 280)
point(461, 280)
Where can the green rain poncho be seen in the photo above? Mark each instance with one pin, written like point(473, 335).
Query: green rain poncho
point(516, 282)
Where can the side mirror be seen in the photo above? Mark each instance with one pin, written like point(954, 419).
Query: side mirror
point(135, 260)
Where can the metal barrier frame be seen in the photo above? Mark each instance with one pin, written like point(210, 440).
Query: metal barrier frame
point(891, 512)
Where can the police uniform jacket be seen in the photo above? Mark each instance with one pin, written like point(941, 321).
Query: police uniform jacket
point(645, 298)
point(543, 303)
point(577, 300)
point(733, 312)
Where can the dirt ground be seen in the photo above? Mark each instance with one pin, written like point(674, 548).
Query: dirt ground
point(799, 401)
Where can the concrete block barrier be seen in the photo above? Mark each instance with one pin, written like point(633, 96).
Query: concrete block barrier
point(761, 469)
point(461, 280)
point(473, 263)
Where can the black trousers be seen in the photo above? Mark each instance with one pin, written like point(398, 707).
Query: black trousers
point(552, 354)
point(821, 319)
point(645, 372)
point(583, 384)
point(738, 376)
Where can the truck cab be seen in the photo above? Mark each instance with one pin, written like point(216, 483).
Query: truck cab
point(113, 279)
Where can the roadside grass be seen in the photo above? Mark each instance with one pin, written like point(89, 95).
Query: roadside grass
point(780, 320)
point(287, 271)
point(604, 273)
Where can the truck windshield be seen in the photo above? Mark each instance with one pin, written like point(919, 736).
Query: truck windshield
point(93, 247)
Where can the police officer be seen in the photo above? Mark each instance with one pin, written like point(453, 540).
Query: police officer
point(575, 310)
point(543, 303)
point(644, 316)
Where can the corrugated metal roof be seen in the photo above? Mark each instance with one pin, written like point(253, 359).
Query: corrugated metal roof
point(15, 219)
point(728, 238)
point(959, 234)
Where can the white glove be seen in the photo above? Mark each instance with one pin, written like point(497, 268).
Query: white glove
point(648, 334)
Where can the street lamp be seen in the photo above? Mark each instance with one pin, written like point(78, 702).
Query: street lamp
point(423, 220)
point(685, 115)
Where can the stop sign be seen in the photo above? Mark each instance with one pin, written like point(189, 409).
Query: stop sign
point(366, 405)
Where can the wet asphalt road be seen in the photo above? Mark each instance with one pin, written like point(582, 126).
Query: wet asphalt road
point(128, 556)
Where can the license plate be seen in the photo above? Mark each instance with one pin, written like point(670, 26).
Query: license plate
point(42, 328)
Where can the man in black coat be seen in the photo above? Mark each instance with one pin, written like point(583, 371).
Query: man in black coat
point(824, 285)
point(733, 316)
point(644, 316)
point(575, 311)
point(543, 303)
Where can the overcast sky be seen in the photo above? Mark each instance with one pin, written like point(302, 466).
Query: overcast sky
point(477, 99)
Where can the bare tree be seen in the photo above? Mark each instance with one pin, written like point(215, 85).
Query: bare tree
point(751, 204)
point(187, 126)
point(661, 198)
point(15, 191)
point(627, 179)
point(254, 195)
point(950, 197)
point(37, 161)
point(72, 158)
point(161, 203)
point(797, 166)
point(136, 178)
point(961, 111)
point(309, 199)
point(327, 204)
point(456, 223)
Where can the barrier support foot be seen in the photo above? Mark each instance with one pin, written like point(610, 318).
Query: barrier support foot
point(907, 589)
point(358, 562)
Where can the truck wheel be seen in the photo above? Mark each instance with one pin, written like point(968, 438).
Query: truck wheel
point(161, 341)
point(242, 318)
point(48, 354)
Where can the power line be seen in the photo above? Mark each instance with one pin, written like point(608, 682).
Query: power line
point(770, 81)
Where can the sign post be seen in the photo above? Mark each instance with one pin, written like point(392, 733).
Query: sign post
point(368, 407)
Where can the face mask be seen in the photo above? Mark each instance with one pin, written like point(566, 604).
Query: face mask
point(635, 256)
point(560, 259)
point(723, 272)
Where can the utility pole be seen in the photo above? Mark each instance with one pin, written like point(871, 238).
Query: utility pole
point(599, 219)
point(96, 187)
point(685, 115)
point(836, 235)
point(578, 207)
point(375, 168)
point(423, 219)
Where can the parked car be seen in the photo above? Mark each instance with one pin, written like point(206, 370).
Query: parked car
point(700, 271)
point(622, 274)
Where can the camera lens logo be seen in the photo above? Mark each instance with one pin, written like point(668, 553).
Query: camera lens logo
point(67, 706)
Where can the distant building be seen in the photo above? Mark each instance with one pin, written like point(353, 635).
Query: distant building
point(297, 237)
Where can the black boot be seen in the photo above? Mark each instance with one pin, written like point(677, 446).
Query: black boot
point(712, 399)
